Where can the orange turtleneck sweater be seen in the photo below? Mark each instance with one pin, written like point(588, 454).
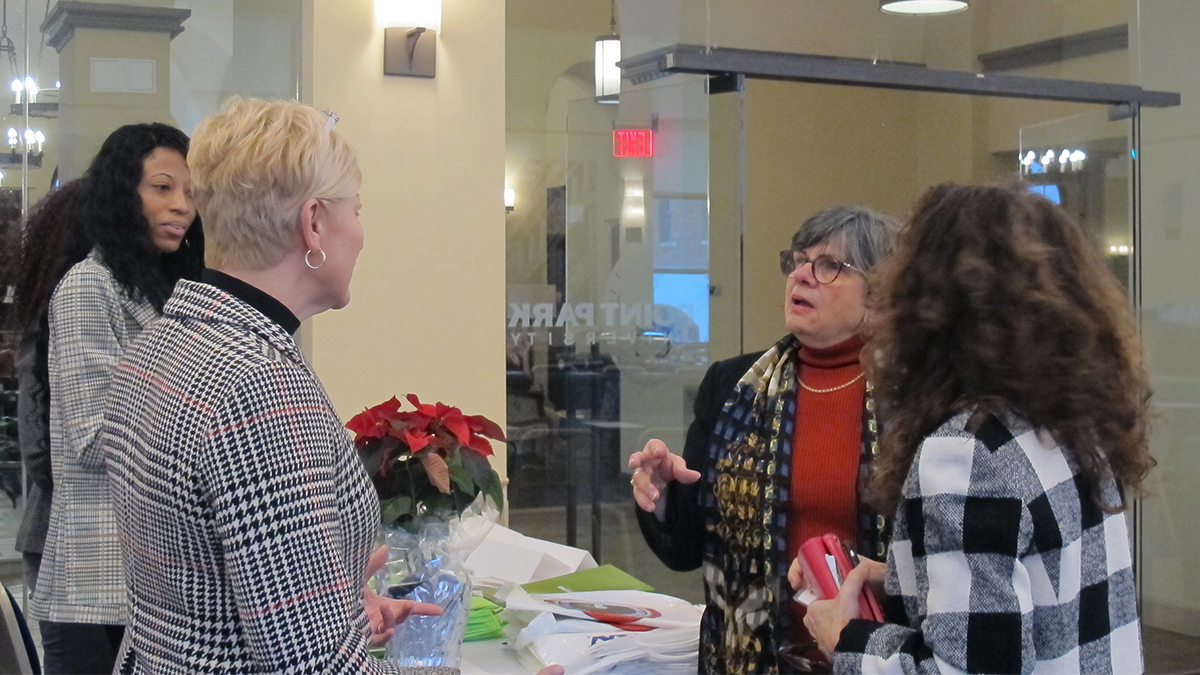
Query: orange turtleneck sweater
point(825, 450)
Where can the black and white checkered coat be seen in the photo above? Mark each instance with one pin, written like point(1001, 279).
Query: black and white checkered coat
point(91, 322)
point(1002, 564)
point(246, 519)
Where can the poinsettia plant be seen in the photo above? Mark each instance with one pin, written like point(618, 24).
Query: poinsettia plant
point(432, 460)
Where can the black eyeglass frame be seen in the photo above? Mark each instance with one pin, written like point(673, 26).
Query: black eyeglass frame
point(787, 265)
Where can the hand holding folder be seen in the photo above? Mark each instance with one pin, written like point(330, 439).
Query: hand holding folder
point(825, 562)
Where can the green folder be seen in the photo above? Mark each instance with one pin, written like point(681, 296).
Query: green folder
point(602, 578)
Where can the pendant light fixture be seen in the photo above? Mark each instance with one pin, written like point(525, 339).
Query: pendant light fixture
point(608, 52)
point(6, 43)
point(922, 7)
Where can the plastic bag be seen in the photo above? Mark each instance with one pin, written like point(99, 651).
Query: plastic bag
point(426, 565)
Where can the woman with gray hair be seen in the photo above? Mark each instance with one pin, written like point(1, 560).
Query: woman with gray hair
point(774, 455)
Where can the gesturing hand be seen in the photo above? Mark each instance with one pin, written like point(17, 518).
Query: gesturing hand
point(384, 613)
point(653, 468)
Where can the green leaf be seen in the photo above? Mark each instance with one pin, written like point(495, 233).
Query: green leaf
point(477, 466)
point(392, 510)
point(439, 502)
point(492, 488)
point(484, 476)
point(370, 456)
point(462, 479)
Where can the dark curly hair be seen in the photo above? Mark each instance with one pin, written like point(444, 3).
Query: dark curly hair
point(997, 300)
point(115, 221)
point(37, 257)
point(52, 240)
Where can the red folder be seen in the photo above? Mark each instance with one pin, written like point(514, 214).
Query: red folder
point(823, 580)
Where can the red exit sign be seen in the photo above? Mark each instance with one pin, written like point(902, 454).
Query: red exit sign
point(633, 143)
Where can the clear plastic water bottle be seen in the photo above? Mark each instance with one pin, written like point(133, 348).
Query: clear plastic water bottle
point(424, 568)
point(434, 640)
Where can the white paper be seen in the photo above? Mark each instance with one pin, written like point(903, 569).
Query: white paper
point(508, 556)
point(504, 561)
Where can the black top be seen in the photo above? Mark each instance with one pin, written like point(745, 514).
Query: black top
point(263, 302)
point(679, 541)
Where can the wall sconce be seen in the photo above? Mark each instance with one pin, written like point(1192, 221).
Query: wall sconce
point(922, 7)
point(510, 200)
point(410, 36)
point(608, 52)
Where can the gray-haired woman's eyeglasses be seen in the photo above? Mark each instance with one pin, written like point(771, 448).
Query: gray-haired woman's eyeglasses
point(825, 268)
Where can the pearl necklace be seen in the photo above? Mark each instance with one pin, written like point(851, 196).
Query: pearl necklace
point(832, 389)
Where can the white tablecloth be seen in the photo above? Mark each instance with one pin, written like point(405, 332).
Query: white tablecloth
point(490, 657)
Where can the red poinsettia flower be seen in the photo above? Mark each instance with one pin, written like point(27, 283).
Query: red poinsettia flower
point(422, 408)
point(374, 422)
point(482, 425)
point(454, 421)
point(480, 445)
point(416, 440)
point(431, 457)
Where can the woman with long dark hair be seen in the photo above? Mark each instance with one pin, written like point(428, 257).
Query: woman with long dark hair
point(139, 214)
point(1011, 381)
point(40, 253)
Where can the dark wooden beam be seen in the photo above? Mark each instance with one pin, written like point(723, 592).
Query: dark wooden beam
point(818, 69)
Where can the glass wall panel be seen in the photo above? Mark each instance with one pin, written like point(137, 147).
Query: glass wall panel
point(608, 352)
point(1166, 249)
point(1085, 163)
point(76, 75)
point(779, 151)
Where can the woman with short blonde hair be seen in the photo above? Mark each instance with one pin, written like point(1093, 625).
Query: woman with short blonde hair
point(246, 519)
point(253, 164)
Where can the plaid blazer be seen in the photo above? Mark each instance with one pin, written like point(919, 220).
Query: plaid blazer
point(91, 322)
point(1002, 564)
point(245, 516)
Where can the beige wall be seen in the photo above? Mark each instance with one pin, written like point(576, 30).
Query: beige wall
point(809, 147)
point(427, 314)
point(87, 117)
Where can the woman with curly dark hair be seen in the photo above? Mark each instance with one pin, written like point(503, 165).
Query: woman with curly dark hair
point(139, 215)
point(1011, 381)
point(38, 255)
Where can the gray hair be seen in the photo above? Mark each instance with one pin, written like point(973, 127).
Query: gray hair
point(866, 236)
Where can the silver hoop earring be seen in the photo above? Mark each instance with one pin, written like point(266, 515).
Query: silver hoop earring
point(318, 265)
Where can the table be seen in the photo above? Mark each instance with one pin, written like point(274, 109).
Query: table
point(490, 657)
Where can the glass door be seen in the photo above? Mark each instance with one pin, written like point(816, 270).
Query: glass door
point(1085, 163)
point(608, 352)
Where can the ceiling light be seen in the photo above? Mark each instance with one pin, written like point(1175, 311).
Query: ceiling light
point(608, 52)
point(922, 7)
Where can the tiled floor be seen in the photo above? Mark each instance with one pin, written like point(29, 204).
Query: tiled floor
point(622, 545)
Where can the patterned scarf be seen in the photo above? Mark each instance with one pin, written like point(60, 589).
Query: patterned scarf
point(749, 476)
